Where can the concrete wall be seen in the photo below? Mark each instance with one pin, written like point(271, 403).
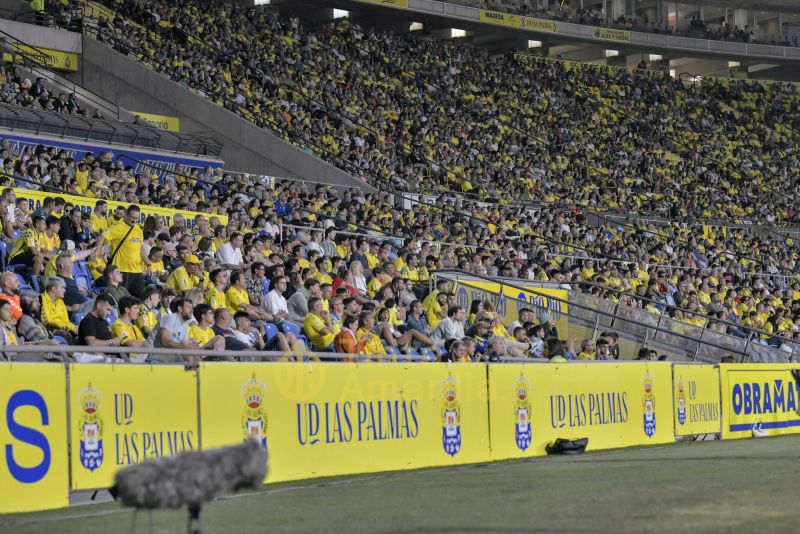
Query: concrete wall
point(54, 38)
point(247, 147)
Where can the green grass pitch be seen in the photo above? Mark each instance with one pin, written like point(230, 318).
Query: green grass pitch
point(745, 485)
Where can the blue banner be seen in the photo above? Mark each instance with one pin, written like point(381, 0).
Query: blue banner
point(142, 160)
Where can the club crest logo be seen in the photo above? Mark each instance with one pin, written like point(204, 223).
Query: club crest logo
point(254, 417)
point(649, 406)
point(451, 416)
point(90, 428)
point(523, 432)
point(681, 401)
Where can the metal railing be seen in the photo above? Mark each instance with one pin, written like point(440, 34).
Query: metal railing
point(695, 342)
point(34, 352)
point(86, 129)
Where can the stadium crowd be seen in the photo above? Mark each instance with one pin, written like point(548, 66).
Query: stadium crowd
point(429, 116)
point(36, 95)
point(728, 281)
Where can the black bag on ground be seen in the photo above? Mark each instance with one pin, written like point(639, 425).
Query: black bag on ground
point(567, 446)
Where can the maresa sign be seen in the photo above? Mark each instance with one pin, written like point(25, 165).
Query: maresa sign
point(144, 161)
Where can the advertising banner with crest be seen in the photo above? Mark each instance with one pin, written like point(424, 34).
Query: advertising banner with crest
point(759, 399)
point(697, 399)
point(614, 405)
point(326, 420)
point(125, 414)
point(33, 431)
point(508, 300)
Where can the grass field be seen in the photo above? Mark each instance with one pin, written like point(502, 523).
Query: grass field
point(743, 485)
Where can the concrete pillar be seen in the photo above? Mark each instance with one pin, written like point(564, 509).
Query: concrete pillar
point(617, 8)
point(740, 18)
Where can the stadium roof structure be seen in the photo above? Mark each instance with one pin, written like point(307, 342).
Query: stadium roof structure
point(683, 51)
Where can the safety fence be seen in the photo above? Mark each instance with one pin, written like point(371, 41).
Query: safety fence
point(70, 427)
point(695, 339)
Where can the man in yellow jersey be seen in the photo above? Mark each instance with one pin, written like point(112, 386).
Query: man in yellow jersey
point(239, 300)
point(125, 241)
point(26, 249)
point(54, 311)
point(202, 332)
point(98, 218)
point(148, 316)
point(125, 328)
point(317, 326)
point(215, 296)
point(181, 279)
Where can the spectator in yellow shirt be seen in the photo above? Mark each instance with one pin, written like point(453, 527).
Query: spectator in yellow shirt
point(54, 311)
point(148, 319)
point(202, 332)
point(182, 278)
point(27, 248)
point(437, 310)
point(365, 332)
point(215, 296)
point(322, 271)
point(587, 350)
point(98, 218)
point(238, 299)
point(317, 326)
point(125, 328)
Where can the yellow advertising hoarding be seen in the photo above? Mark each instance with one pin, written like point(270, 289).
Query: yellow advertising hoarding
point(500, 18)
point(542, 25)
point(125, 414)
point(55, 59)
point(35, 199)
point(759, 396)
point(516, 21)
point(697, 399)
point(33, 431)
point(612, 35)
point(612, 404)
point(325, 420)
point(165, 122)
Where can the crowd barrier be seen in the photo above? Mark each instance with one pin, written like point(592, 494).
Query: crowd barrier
point(71, 427)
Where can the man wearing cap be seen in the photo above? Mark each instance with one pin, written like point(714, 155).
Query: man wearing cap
point(182, 278)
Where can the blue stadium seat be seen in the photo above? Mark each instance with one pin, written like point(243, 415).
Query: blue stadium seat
point(428, 355)
point(394, 351)
point(4, 247)
point(270, 335)
point(82, 281)
point(78, 318)
point(21, 270)
point(266, 282)
point(23, 284)
point(288, 327)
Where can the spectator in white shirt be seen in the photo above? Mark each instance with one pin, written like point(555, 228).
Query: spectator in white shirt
point(452, 326)
point(275, 303)
point(315, 243)
point(230, 254)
